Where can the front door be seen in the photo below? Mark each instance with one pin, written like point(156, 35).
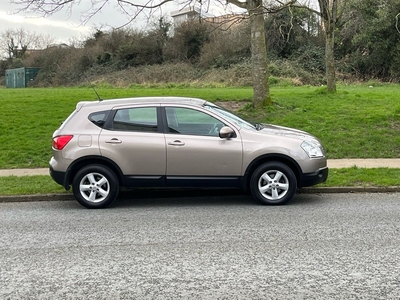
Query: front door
point(195, 152)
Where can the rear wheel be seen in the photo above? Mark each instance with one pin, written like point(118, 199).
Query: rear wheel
point(95, 186)
point(273, 183)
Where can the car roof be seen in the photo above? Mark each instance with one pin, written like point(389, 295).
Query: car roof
point(141, 100)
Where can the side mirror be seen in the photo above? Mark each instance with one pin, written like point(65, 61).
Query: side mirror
point(226, 132)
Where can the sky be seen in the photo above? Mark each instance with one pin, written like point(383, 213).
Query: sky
point(63, 26)
point(59, 26)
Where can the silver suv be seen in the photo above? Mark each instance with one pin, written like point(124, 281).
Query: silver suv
point(179, 142)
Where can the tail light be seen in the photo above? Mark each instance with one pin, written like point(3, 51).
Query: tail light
point(59, 142)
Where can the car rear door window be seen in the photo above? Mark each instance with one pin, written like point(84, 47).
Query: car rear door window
point(142, 119)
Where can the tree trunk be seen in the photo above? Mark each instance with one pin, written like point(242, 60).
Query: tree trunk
point(261, 96)
point(329, 16)
point(330, 61)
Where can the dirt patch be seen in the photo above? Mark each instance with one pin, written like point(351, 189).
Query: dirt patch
point(232, 105)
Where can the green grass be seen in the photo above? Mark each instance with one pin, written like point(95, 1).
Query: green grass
point(375, 177)
point(356, 122)
point(30, 116)
point(28, 185)
point(348, 177)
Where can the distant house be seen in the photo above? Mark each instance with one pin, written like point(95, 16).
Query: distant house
point(186, 14)
point(226, 21)
point(61, 45)
point(195, 13)
point(51, 46)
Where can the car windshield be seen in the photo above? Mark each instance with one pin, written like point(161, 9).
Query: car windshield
point(230, 116)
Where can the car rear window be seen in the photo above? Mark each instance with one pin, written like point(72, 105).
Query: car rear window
point(99, 118)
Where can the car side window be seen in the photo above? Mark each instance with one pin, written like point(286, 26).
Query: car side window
point(142, 119)
point(99, 118)
point(192, 122)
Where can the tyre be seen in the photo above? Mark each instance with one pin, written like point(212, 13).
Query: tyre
point(95, 186)
point(273, 183)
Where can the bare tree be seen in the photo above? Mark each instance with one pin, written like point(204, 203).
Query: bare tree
point(330, 15)
point(328, 12)
point(133, 8)
point(16, 42)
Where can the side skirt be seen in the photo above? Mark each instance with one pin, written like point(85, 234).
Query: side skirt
point(203, 181)
point(183, 181)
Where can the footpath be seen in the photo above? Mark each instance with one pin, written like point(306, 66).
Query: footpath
point(332, 164)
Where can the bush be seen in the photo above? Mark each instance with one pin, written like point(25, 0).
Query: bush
point(145, 75)
point(284, 68)
point(310, 57)
point(226, 48)
point(187, 42)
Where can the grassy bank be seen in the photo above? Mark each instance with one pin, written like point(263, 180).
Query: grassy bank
point(356, 122)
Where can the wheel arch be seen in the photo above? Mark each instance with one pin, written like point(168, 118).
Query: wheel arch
point(92, 160)
point(287, 160)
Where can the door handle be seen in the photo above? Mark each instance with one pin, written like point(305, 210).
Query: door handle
point(176, 143)
point(114, 141)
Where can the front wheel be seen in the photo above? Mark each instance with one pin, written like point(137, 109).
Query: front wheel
point(273, 183)
point(95, 186)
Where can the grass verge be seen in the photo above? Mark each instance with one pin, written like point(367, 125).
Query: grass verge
point(356, 122)
point(346, 177)
point(28, 185)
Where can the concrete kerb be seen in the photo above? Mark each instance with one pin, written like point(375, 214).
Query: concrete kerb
point(333, 164)
point(310, 190)
point(37, 198)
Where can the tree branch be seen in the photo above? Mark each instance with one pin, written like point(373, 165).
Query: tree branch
point(308, 8)
point(148, 5)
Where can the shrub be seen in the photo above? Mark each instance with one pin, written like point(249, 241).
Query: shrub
point(310, 58)
point(187, 42)
point(226, 47)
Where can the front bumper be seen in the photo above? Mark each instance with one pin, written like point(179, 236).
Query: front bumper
point(310, 179)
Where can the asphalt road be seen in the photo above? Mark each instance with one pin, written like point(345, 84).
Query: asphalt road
point(208, 246)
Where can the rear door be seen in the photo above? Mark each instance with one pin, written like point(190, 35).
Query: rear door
point(136, 143)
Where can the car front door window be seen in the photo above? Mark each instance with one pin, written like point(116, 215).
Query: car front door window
point(192, 122)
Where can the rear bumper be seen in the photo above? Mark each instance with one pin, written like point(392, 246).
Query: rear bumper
point(58, 177)
point(310, 179)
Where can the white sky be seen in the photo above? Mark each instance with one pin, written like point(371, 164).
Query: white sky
point(63, 27)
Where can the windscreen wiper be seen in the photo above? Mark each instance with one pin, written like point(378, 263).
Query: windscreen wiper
point(259, 126)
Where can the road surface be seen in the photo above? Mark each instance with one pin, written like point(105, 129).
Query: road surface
point(207, 246)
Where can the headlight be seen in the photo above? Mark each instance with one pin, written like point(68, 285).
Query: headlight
point(312, 149)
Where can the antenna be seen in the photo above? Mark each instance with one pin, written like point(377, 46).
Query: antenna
point(92, 85)
point(96, 93)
